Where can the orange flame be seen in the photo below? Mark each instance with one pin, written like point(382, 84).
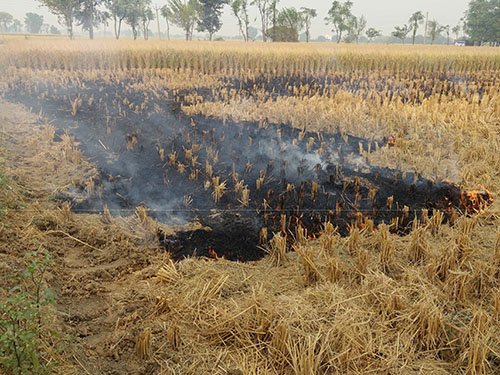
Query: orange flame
point(475, 201)
point(213, 254)
point(390, 141)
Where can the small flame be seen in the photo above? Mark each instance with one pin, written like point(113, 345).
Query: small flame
point(390, 141)
point(474, 201)
point(213, 254)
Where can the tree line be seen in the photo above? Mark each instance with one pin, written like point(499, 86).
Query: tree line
point(481, 22)
point(33, 23)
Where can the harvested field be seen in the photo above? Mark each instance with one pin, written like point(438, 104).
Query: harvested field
point(244, 210)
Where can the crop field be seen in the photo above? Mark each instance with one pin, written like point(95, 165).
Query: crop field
point(250, 208)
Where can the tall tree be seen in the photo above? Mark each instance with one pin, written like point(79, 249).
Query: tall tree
point(5, 20)
point(240, 11)
point(447, 30)
point(33, 22)
point(273, 14)
point(482, 20)
point(372, 33)
point(456, 30)
point(134, 16)
point(292, 18)
point(157, 10)
point(289, 22)
point(146, 16)
point(340, 17)
point(65, 10)
point(16, 26)
point(118, 10)
point(307, 15)
point(89, 16)
point(401, 32)
point(165, 12)
point(184, 14)
point(265, 8)
point(415, 20)
point(252, 33)
point(210, 16)
point(435, 30)
point(358, 27)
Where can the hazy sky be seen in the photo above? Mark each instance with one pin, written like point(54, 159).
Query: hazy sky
point(381, 14)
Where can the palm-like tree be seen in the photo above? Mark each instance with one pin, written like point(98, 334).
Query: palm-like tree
point(435, 29)
point(416, 19)
point(183, 14)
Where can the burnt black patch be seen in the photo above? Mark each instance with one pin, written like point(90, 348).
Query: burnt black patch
point(235, 178)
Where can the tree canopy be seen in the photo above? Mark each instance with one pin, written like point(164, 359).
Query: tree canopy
point(33, 22)
point(265, 8)
point(240, 11)
point(340, 17)
point(65, 10)
point(415, 20)
point(482, 21)
point(90, 16)
point(183, 14)
point(435, 30)
point(119, 10)
point(287, 26)
point(372, 33)
point(401, 32)
point(5, 21)
point(307, 15)
point(210, 12)
point(358, 26)
point(138, 14)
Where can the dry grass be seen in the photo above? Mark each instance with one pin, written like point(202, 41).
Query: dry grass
point(322, 312)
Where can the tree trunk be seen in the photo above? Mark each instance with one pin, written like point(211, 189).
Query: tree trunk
point(114, 24)
point(210, 35)
point(264, 31)
point(187, 34)
point(168, 29)
point(119, 29)
point(307, 35)
point(91, 20)
point(240, 25)
point(274, 21)
point(158, 22)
